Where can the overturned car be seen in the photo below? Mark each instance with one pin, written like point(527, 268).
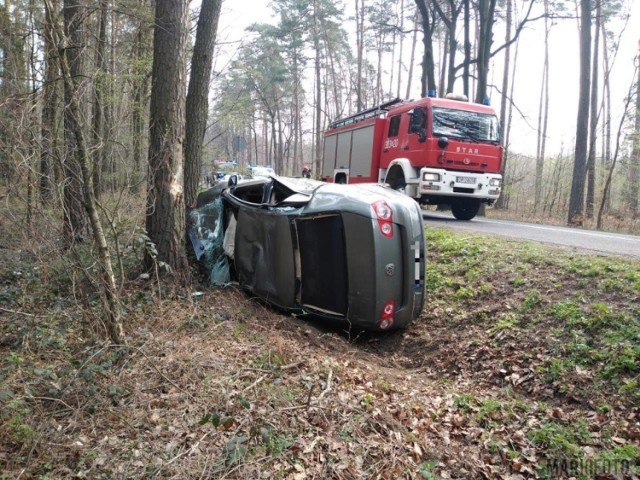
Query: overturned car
point(343, 252)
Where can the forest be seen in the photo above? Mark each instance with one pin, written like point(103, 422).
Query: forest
point(117, 362)
point(92, 93)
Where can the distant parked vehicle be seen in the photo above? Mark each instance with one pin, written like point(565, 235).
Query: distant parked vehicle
point(226, 176)
point(262, 172)
point(352, 253)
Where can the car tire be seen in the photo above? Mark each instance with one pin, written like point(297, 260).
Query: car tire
point(465, 209)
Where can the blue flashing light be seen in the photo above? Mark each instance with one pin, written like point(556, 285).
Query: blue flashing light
point(431, 92)
point(486, 101)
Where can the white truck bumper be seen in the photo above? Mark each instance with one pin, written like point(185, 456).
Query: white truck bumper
point(437, 181)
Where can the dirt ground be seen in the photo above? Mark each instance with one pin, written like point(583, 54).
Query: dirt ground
point(213, 384)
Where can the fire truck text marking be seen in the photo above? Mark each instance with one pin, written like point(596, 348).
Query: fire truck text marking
point(467, 150)
point(391, 143)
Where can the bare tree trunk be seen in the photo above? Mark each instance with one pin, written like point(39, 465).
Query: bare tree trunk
point(606, 124)
point(394, 37)
point(318, 95)
point(108, 159)
point(486, 10)
point(634, 166)
point(444, 67)
point(543, 112)
point(359, 60)
point(75, 228)
point(280, 151)
point(295, 114)
point(165, 198)
point(140, 88)
point(503, 200)
point(98, 92)
point(593, 120)
point(623, 119)
point(576, 199)
point(467, 49)
point(335, 76)
point(414, 41)
point(401, 53)
point(428, 65)
point(107, 278)
point(197, 106)
point(450, 22)
point(605, 157)
point(50, 115)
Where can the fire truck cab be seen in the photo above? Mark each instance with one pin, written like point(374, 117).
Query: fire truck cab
point(436, 150)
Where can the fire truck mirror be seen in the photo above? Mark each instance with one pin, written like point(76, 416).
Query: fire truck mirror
point(417, 120)
point(418, 124)
point(443, 142)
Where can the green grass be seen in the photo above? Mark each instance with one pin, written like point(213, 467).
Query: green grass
point(579, 312)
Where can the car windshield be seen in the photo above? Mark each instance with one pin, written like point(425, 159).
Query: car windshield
point(465, 125)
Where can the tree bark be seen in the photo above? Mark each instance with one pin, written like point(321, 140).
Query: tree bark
point(73, 115)
point(505, 96)
point(450, 22)
point(198, 96)
point(99, 86)
point(543, 113)
point(165, 199)
point(428, 65)
point(625, 112)
point(486, 10)
point(318, 87)
point(634, 167)
point(413, 54)
point(75, 227)
point(359, 55)
point(576, 198)
point(593, 118)
point(50, 114)
point(467, 49)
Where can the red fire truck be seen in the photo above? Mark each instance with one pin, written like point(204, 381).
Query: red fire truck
point(437, 150)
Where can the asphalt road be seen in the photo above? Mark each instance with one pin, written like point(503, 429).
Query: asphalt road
point(576, 238)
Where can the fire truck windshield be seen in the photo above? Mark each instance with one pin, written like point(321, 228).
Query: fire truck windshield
point(465, 125)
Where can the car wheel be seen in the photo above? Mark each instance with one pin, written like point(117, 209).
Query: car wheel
point(465, 209)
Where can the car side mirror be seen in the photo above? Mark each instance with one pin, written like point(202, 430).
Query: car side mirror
point(233, 181)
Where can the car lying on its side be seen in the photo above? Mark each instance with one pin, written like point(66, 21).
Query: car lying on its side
point(342, 252)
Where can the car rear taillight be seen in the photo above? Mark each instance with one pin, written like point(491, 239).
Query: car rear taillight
point(388, 316)
point(384, 214)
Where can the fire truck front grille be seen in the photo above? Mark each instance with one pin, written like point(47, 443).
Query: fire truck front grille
point(462, 190)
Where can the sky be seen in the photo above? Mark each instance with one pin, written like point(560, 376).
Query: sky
point(564, 70)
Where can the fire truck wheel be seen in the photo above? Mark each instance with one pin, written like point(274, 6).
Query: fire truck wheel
point(398, 184)
point(465, 209)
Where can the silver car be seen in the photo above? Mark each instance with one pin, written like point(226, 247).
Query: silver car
point(353, 253)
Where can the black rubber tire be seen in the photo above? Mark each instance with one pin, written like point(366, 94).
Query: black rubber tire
point(398, 184)
point(401, 187)
point(465, 209)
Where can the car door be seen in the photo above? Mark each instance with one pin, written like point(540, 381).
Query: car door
point(264, 255)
